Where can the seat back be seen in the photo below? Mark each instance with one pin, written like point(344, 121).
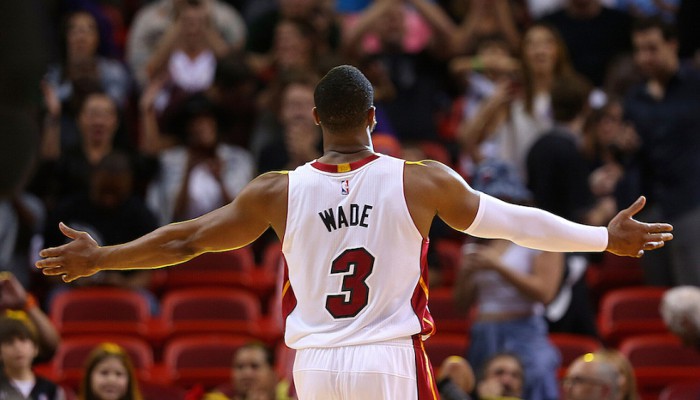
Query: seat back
point(214, 310)
point(227, 268)
point(658, 351)
point(629, 312)
point(441, 346)
point(659, 361)
point(572, 346)
point(100, 310)
point(448, 319)
point(449, 253)
point(201, 359)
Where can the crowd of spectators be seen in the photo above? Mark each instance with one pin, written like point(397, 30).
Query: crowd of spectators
point(159, 111)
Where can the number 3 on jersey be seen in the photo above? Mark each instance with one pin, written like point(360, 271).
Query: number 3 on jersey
point(356, 265)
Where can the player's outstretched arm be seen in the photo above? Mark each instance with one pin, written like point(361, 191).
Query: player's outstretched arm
point(261, 204)
point(433, 188)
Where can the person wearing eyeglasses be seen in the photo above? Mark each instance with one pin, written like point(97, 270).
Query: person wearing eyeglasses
point(592, 377)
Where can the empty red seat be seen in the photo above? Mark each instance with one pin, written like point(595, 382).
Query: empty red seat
point(448, 319)
point(659, 361)
point(630, 311)
point(100, 310)
point(572, 346)
point(441, 346)
point(209, 310)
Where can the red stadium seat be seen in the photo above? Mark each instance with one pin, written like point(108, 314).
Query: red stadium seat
point(233, 268)
point(612, 272)
point(226, 268)
point(659, 361)
point(100, 310)
point(449, 253)
point(210, 310)
point(201, 359)
point(447, 318)
point(572, 346)
point(158, 391)
point(630, 311)
point(441, 346)
point(272, 258)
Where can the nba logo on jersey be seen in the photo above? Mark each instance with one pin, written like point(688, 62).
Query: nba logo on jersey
point(345, 187)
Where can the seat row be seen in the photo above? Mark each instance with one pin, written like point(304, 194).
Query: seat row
point(189, 360)
point(623, 313)
point(185, 311)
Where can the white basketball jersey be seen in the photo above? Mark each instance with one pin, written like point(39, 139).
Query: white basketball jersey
point(356, 268)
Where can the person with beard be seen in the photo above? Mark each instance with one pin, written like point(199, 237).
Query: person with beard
point(664, 111)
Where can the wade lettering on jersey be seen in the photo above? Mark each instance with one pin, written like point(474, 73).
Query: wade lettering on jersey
point(344, 218)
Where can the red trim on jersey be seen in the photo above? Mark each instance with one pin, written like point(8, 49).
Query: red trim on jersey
point(405, 198)
point(419, 300)
point(289, 300)
point(345, 167)
point(425, 377)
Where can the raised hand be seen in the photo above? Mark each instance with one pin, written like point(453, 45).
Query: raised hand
point(72, 260)
point(629, 237)
point(12, 294)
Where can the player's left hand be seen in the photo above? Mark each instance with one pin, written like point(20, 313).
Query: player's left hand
point(629, 237)
point(73, 260)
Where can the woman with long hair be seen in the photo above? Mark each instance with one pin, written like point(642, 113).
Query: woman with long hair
point(520, 108)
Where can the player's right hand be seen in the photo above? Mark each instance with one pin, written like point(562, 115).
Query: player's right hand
point(73, 260)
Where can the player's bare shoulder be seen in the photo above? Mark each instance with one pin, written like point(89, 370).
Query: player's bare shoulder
point(427, 184)
point(433, 188)
point(422, 176)
point(273, 183)
point(267, 194)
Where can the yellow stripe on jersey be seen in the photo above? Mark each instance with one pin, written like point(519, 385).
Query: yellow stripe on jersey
point(427, 369)
point(425, 288)
point(432, 328)
point(344, 167)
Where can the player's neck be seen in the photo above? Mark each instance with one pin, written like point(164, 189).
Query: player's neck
point(343, 154)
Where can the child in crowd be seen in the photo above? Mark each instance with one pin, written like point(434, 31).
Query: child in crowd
point(109, 375)
point(18, 348)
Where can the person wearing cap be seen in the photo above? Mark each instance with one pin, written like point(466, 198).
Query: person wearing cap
point(510, 286)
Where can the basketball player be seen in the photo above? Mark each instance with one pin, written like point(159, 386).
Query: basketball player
point(354, 226)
